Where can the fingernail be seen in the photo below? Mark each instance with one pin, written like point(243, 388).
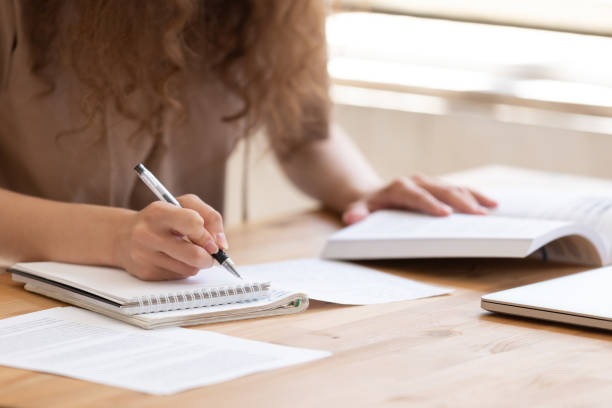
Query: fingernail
point(346, 218)
point(222, 240)
point(446, 210)
point(352, 217)
point(360, 212)
point(211, 247)
point(480, 210)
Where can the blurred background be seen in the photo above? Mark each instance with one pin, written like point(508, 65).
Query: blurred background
point(437, 86)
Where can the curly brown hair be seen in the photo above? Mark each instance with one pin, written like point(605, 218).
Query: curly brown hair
point(270, 53)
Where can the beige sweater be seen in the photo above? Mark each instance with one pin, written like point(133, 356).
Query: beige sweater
point(89, 167)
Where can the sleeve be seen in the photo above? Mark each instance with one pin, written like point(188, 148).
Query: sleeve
point(8, 39)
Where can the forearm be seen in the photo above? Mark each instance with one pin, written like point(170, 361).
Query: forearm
point(332, 171)
point(34, 229)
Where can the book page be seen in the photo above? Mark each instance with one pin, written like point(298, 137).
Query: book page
point(341, 282)
point(545, 195)
point(584, 208)
point(496, 176)
point(81, 344)
point(395, 224)
point(402, 234)
point(573, 249)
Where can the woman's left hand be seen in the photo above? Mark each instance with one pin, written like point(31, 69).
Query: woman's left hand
point(420, 193)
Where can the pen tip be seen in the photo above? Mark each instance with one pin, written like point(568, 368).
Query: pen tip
point(232, 268)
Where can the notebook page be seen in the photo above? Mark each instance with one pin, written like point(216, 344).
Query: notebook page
point(81, 344)
point(341, 282)
point(118, 284)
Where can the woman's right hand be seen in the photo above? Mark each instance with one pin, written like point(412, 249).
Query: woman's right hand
point(152, 246)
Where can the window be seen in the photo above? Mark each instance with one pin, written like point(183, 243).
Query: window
point(580, 16)
point(485, 62)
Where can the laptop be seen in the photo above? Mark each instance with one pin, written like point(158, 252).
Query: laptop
point(583, 299)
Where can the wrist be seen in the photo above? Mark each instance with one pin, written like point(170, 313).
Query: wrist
point(121, 225)
point(365, 189)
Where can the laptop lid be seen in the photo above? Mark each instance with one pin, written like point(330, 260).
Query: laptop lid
point(584, 299)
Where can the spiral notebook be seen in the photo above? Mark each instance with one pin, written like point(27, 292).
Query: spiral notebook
point(211, 296)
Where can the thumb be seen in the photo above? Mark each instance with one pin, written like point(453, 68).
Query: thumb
point(356, 212)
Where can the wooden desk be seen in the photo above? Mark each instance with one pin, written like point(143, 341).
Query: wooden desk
point(442, 351)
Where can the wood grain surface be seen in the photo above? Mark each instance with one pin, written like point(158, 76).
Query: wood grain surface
point(439, 352)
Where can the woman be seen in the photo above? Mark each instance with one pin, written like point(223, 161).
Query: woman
point(90, 88)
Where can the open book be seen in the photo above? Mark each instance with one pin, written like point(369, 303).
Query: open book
point(209, 297)
point(553, 216)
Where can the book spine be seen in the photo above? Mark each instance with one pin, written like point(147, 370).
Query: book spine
point(200, 298)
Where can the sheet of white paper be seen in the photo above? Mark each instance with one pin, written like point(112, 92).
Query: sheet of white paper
point(340, 282)
point(81, 344)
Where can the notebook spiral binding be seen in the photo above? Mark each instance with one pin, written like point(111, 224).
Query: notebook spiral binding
point(199, 298)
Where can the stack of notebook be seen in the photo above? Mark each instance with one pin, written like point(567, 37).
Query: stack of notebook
point(211, 296)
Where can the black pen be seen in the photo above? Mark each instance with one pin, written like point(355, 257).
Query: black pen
point(163, 194)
